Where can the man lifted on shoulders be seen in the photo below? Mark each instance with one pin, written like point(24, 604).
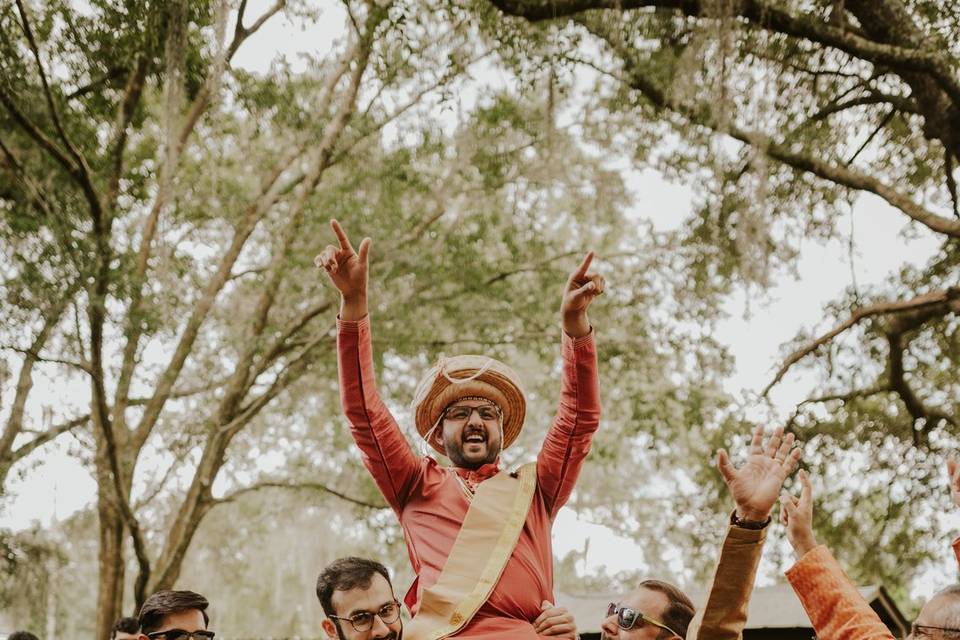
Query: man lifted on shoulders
point(478, 537)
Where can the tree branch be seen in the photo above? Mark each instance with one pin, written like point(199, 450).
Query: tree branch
point(47, 436)
point(201, 102)
point(784, 153)
point(297, 486)
point(768, 15)
point(940, 298)
point(47, 93)
point(900, 103)
point(33, 355)
point(922, 416)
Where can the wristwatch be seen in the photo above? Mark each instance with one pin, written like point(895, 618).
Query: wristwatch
point(748, 524)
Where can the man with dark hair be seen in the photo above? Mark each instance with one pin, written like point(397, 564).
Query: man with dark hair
point(175, 615)
point(126, 628)
point(357, 597)
point(22, 635)
point(655, 610)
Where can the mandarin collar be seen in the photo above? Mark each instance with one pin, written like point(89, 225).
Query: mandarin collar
point(482, 473)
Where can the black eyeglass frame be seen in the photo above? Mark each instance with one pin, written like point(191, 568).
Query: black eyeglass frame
point(617, 609)
point(204, 634)
point(472, 409)
point(372, 614)
point(926, 629)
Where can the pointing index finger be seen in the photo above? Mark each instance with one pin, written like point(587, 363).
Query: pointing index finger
point(341, 236)
point(581, 271)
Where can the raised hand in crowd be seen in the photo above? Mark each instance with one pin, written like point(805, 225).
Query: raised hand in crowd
point(953, 474)
point(582, 287)
point(348, 272)
point(797, 515)
point(555, 621)
point(756, 485)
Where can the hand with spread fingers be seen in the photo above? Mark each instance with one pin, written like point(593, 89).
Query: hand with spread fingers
point(953, 474)
point(555, 621)
point(796, 514)
point(756, 485)
point(348, 272)
point(582, 287)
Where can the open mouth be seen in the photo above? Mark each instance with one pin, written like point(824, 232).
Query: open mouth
point(475, 437)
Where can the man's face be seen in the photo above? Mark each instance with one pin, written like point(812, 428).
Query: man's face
point(371, 599)
point(941, 612)
point(649, 602)
point(473, 440)
point(188, 621)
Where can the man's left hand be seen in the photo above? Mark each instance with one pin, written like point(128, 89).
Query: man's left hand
point(555, 621)
point(582, 287)
point(756, 485)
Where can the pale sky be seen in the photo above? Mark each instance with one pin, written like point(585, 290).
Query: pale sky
point(62, 486)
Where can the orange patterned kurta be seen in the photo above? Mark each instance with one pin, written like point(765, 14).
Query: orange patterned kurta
point(832, 602)
point(429, 498)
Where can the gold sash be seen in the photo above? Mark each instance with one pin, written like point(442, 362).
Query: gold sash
point(484, 544)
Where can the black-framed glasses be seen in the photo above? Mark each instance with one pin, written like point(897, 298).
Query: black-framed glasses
point(462, 413)
point(363, 621)
point(180, 634)
point(926, 632)
point(627, 618)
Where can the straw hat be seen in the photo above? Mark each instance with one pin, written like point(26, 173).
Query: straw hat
point(468, 376)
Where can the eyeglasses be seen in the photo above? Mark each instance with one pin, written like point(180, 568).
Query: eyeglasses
point(180, 634)
point(923, 631)
point(627, 618)
point(462, 413)
point(388, 613)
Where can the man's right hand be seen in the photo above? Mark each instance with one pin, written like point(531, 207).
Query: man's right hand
point(348, 272)
point(953, 473)
point(797, 515)
point(756, 485)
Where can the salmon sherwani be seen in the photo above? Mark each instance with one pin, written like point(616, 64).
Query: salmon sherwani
point(430, 500)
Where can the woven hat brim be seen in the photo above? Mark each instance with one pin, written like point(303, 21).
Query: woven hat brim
point(496, 382)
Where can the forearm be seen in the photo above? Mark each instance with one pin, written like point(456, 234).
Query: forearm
point(386, 453)
point(724, 614)
point(835, 607)
point(567, 442)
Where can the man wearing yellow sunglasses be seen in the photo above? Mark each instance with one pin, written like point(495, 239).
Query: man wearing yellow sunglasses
point(627, 619)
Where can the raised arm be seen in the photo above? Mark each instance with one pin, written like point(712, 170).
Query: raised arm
point(754, 487)
point(831, 600)
point(568, 439)
point(953, 474)
point(386, 453)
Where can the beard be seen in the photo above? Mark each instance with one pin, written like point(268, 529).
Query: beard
point(393, 635)
point(455, 449)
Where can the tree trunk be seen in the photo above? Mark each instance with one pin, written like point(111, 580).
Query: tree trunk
point(111, 556)
point(110, 561)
